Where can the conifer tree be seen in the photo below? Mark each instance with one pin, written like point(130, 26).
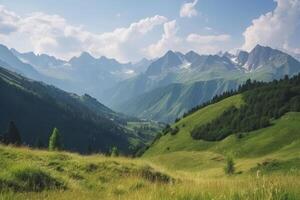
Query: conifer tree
point(114, 152)
point(55, 140)
point(12, 136)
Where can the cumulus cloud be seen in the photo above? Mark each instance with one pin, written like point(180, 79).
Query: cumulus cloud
point(206, 44)
point(188, 9)
point(52, 34)
point(279, 28)
point(169, 40)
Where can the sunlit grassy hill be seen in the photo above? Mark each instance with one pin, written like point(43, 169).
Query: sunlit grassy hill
point(38, 174)
point(277, 146)
point(174, 167)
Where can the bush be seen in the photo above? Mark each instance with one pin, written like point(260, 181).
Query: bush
point(152, 175)
point(29, 179)
point(174, 131)
point(229, 168)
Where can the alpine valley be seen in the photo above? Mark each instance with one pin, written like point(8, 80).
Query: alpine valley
point(236, 119)
point(150, 100)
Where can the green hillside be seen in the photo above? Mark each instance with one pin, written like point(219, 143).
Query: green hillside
point(183, 141)
point(85, 124)
point(38, 174)
point(167, 103)
point(280, 142)
point(276, 147)
point(267, 165)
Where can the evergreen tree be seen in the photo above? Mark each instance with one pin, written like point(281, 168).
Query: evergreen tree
point(12, 136)
point(55, 141)
point(114, 152)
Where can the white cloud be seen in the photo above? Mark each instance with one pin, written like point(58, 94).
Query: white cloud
point(206, 44)
point(278, 29)
point(168, 41)
point(53, 35)
point(188, 9)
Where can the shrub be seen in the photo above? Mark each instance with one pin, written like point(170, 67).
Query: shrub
point(29, 179)
point(152, 175)
point(229, 168)
point(174, 131)
point(267, 165)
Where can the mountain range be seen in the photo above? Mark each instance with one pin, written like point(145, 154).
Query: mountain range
point(161, 89)
point(81, 74)
point(177, 82)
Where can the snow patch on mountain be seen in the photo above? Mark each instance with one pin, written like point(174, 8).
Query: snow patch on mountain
point(185, 65)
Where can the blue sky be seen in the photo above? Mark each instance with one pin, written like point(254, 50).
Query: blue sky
point(148, 28)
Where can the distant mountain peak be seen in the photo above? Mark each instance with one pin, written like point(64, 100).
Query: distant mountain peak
point(106, 59)
point(260, 56)
point(170, 52)
point(191, 53)
point(228, 55)
point(85, 54)
point(84, 57)
point(258, 46)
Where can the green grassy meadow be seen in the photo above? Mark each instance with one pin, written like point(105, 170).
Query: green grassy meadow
point(267, 166)
point(37, 174)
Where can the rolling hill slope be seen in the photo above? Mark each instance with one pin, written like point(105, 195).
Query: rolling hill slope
point(276, 147)
point(67, 176)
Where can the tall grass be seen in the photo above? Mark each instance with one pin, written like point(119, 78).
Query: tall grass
point(58, 175)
